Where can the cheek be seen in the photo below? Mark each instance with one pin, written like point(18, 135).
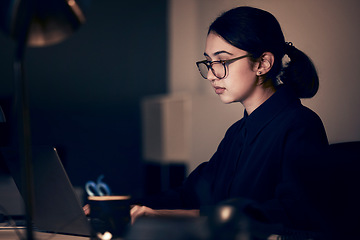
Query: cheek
point(242, 69)
point(240, 84)
point(242, 78)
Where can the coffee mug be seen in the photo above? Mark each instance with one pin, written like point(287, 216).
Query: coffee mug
point(109, 214)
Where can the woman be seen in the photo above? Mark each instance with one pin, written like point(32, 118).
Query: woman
point(248, 61)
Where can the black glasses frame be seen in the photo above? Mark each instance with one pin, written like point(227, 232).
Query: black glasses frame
point(225, 63)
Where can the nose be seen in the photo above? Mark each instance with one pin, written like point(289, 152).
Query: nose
point(211, 76)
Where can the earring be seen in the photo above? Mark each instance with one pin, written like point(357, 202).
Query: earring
point(259, 72)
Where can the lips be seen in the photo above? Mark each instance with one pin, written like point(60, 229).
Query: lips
point(219, 90)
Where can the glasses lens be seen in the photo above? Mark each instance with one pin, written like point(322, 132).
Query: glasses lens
point(203, 69)
point(218, 69)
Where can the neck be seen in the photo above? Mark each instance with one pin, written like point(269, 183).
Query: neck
point(259, 96)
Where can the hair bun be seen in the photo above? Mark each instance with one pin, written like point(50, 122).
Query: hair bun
point(289, 48)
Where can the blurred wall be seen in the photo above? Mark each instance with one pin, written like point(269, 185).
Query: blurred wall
point(85, 92)
point(327, 31)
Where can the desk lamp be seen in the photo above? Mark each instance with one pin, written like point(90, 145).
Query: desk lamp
point(33, 23)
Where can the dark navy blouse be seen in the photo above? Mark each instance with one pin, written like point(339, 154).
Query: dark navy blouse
point(263, 157)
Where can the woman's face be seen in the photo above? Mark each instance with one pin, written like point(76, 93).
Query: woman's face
point(241, 79)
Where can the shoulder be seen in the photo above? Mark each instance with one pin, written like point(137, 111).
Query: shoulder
point(292, 110)
point(297, 124)
point(303, 129)
point(299, 115)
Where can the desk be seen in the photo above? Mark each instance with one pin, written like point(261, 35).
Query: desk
point(10, 234)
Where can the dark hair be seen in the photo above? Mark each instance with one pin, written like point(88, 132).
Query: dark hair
point(257, 31)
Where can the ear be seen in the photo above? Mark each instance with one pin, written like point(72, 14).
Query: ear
point(265, 63)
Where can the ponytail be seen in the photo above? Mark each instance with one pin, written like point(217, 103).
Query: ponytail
point(300, 73)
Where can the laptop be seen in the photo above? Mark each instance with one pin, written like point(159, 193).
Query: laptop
point(57, 208)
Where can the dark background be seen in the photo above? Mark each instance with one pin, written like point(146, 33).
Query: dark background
point(85, 92)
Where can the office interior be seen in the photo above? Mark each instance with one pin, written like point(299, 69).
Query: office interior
point(122, 96)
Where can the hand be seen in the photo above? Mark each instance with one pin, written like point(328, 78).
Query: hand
point(86, 209)
point(139, 211)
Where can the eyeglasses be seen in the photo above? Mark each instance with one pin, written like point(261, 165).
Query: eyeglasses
point(218, 68)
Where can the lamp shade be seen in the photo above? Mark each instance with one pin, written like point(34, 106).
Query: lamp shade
point(50, 21)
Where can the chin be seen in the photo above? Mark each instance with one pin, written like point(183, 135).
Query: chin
point(226, 100)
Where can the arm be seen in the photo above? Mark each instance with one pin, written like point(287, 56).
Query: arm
point(191, 196)
point(141, 211)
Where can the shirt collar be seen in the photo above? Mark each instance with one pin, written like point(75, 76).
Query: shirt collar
point(262, 115)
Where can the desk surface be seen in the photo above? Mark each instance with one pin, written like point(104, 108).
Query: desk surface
point(10, 234)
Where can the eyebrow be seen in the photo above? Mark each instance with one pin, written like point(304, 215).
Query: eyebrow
point(218, 53)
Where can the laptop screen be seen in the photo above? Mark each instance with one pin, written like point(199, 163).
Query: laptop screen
point(56, 206)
